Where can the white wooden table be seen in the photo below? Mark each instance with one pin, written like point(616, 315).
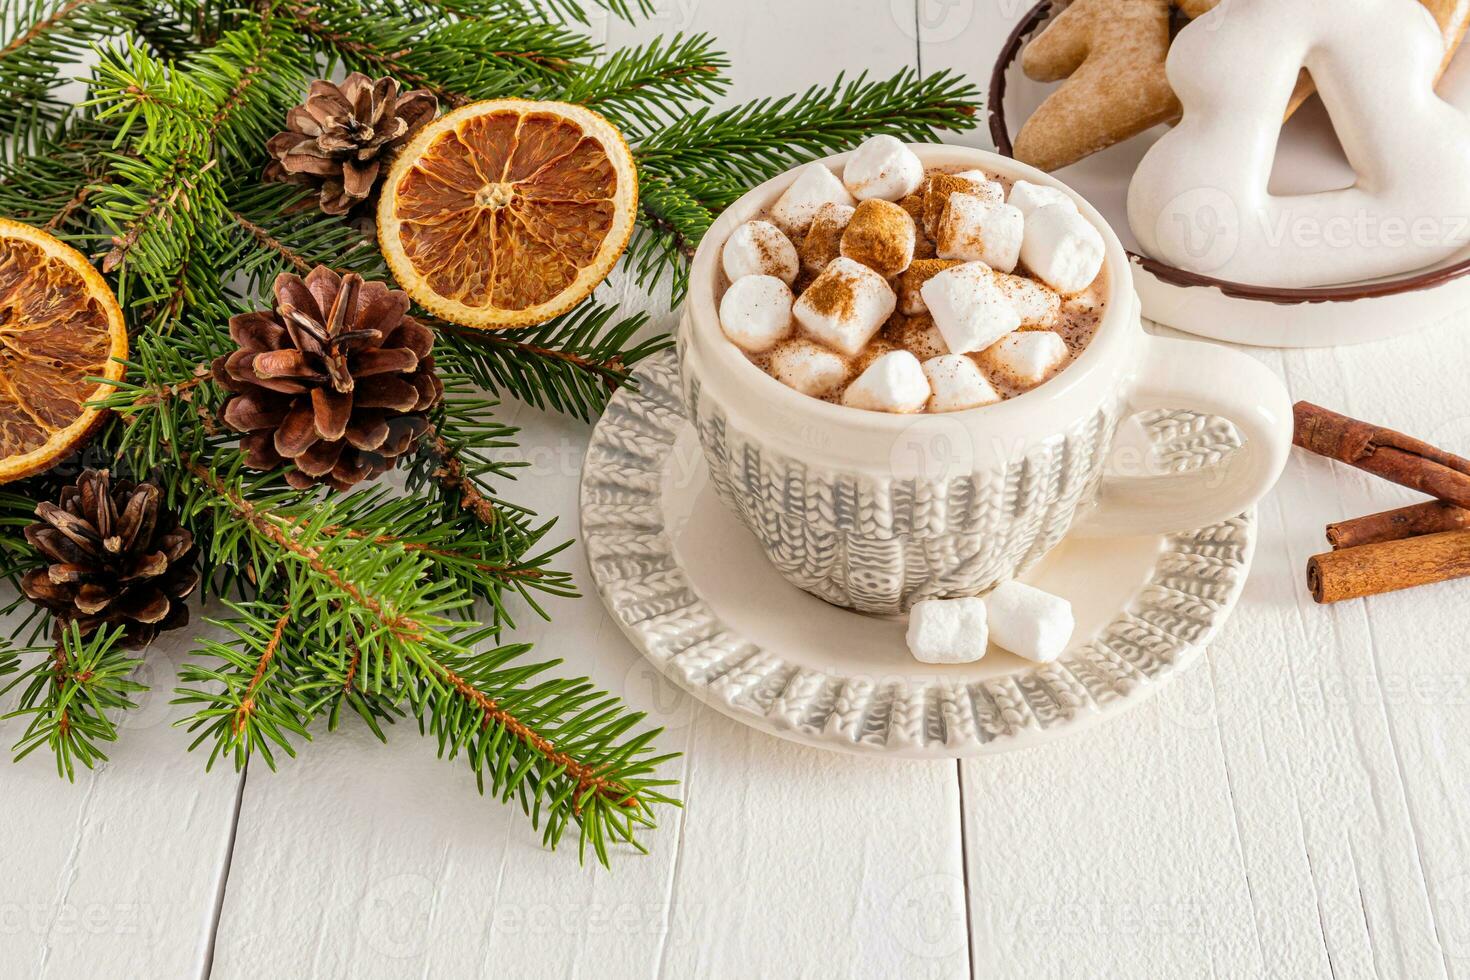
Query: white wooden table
point(1293, 806)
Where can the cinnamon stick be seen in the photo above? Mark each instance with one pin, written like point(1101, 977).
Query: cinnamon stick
point(1432, 517)
point(1383, 452)
point(1388, 566)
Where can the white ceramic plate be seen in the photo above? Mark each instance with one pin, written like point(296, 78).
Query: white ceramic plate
point(1308, 158)
point(692, 591)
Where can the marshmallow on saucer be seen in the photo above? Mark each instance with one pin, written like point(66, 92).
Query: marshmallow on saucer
point(1062, 248)
point(1028, 197)
point(755, 313)
point(974, 230)
point(814, 186)
point(882, 167)
point(880, 236)
point(758, 248)
point(968, 307)
point(1025, 358)
point(1037, 305)
point(808, 368)
point(823, 241)
point(957, 384)
point(894, 382)
point(948, 631)
point(845, 306)
point(1028, 622)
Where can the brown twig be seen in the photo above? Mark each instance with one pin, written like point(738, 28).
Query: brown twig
point(451, 475)
point(165, 392)
point(42, 26)
point(389, 63)
point(267, 240)
point(125, 243)
point(247, 702)
point(60, 675)
point(613, 372)
point(77, 200)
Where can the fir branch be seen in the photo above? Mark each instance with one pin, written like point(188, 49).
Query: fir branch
point(755, 141)
point(41, 37)
point(273, 244)
point(664, 243)
point(648, 87)
point(459, 60)
point(245, 705)
point(284, 232)
point(560, 746)
point(70, 696)
point(571, 363)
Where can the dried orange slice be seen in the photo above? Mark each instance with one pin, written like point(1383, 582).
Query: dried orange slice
point(506, 213)
point(59, 326)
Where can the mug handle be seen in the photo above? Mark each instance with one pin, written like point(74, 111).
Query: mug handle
point(1202, 377)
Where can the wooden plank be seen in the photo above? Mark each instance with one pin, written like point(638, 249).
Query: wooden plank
point(117, 874)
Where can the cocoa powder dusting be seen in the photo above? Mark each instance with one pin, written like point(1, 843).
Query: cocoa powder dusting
point(832, 294)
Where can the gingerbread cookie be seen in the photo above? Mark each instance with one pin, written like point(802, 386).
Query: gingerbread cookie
point(1111, 53)
point(1453, 16)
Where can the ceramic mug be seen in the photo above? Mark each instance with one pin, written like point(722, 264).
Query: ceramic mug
point(875, 511)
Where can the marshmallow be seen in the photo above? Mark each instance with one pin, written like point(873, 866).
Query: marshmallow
point(807, 367)
point(984, 188)
point(974, 230)
point(758, 248)
point(1025, 358)
point(920, 271)
point(755, 313)
point(894, 382)
point(948, 631)
point(814, 186)
point(938, 189)
point(882, 167)
point(1085, 303)
point(916, 334)
point(876, 348)
point(914, 205)
point(1062, 248)
point(845, 306)
point(968, 307)
point(1028, 197)
point(1029, 622)
point(1037, 305)
point(880, 236)
point(823, 241)
point(957, 384)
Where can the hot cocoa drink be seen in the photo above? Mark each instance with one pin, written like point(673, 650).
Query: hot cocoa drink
point(896, 289)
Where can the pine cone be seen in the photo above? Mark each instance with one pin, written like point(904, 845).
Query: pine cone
point(117, 556)
point(338, 380)
point(338, 138)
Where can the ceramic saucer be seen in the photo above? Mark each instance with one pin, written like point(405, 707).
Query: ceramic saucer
point(690, 588)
